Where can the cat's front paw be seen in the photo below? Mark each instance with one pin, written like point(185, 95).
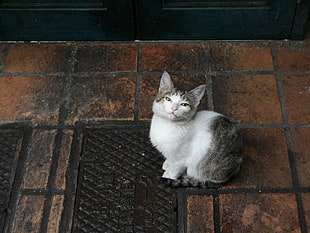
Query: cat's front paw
point(168, 176)
point(165, 165)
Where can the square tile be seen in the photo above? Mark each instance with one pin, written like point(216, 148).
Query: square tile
point(306, 205)
point(38, 163)
point(301, 142)
point(149, 87)
point(248, 98)
point(2, 54)
point(296, 89)
point(106, 58)
point(173, 57)
point(200, 214)
point(29, 214)
point(63, 162)
point(26, 98)
point(37, 58)
point(248, 56)
point(102, 98)
point(265, 160)
point(259, 213)
point(55, 213)
point(293, 56)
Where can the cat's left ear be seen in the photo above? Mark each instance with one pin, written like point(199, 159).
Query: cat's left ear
point(198, 93)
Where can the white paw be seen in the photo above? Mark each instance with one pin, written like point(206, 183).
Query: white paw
point(168, 176)
point(165, 166)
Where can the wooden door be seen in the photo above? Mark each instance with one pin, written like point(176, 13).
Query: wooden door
point(213, 19)
point(66, 20)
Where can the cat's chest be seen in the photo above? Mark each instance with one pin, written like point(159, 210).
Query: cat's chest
point(168, 136)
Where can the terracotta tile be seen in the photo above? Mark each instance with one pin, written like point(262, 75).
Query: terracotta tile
point(37, 58)
point(149, 86)
point(173, 57)
point(247, 99)
point(265, 163)
point(34, 99)
point(240, 56)
point(301, 142)
point(55, 214)
point(2, 54)
point(106, 57)
point(60, 182)
point(29, 214)
point(39, 160)
point(293, 56)
point(200, 214)
point(274, 213)
point(102, 98)
point(306, 205)
point(296, 90)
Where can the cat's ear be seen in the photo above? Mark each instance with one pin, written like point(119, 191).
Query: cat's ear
point(166, 83)
point(198, 93)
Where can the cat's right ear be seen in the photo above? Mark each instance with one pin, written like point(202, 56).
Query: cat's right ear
point(166, 83)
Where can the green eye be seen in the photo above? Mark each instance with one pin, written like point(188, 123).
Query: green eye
point(184, 104)
point(167, 99)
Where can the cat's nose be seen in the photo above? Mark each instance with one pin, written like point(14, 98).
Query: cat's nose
point(174, 107)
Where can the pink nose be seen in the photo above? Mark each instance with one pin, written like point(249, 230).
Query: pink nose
point(174, 107)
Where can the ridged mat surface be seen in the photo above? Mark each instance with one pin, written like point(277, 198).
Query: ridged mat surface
point(119, 187)
point(10, 146)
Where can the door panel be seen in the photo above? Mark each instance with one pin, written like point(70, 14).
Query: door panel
point(66, 20)
point(207, 19)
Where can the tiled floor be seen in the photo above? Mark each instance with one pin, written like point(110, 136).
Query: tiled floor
point(49, 88)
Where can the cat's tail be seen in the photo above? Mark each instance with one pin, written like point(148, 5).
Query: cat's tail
point(185, 181)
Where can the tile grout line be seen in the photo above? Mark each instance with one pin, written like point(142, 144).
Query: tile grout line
point(58, 140)
point(289, 142)
point(138, 82)
point(208, 77)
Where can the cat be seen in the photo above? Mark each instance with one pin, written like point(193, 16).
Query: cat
point(201, 148)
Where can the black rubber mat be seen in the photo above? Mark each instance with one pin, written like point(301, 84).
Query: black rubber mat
point(119, 187)
point(10, 148)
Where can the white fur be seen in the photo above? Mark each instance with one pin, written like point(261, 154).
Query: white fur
point(183, 143)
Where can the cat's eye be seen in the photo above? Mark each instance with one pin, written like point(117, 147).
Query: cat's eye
point(167, 98)
point(184, 104)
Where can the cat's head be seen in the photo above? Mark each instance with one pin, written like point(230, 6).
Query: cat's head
point(174, 104)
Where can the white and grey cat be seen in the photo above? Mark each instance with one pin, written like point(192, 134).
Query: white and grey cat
point(201, 148)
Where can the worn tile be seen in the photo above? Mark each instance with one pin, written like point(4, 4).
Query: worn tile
point(37, 58)
point(28, 215)
point(106, 57)
point(274, 213)
point(24, 98)
point(248, 98)
point(55, 214)
point(200, 214)
point(293, 56)
point(39, 160)
point(102, 98)
point(265, 163)
point(149, 87)
point(60, 182)
point(173, 57)
point(296, 90)
point(306, 206)
point(301, 142)
point(2, 54)
point(249, 56)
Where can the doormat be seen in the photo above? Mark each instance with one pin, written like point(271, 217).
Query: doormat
point(119, 185)
point(10, 150)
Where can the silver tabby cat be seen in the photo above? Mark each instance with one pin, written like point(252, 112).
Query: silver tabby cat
point(201, 148)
